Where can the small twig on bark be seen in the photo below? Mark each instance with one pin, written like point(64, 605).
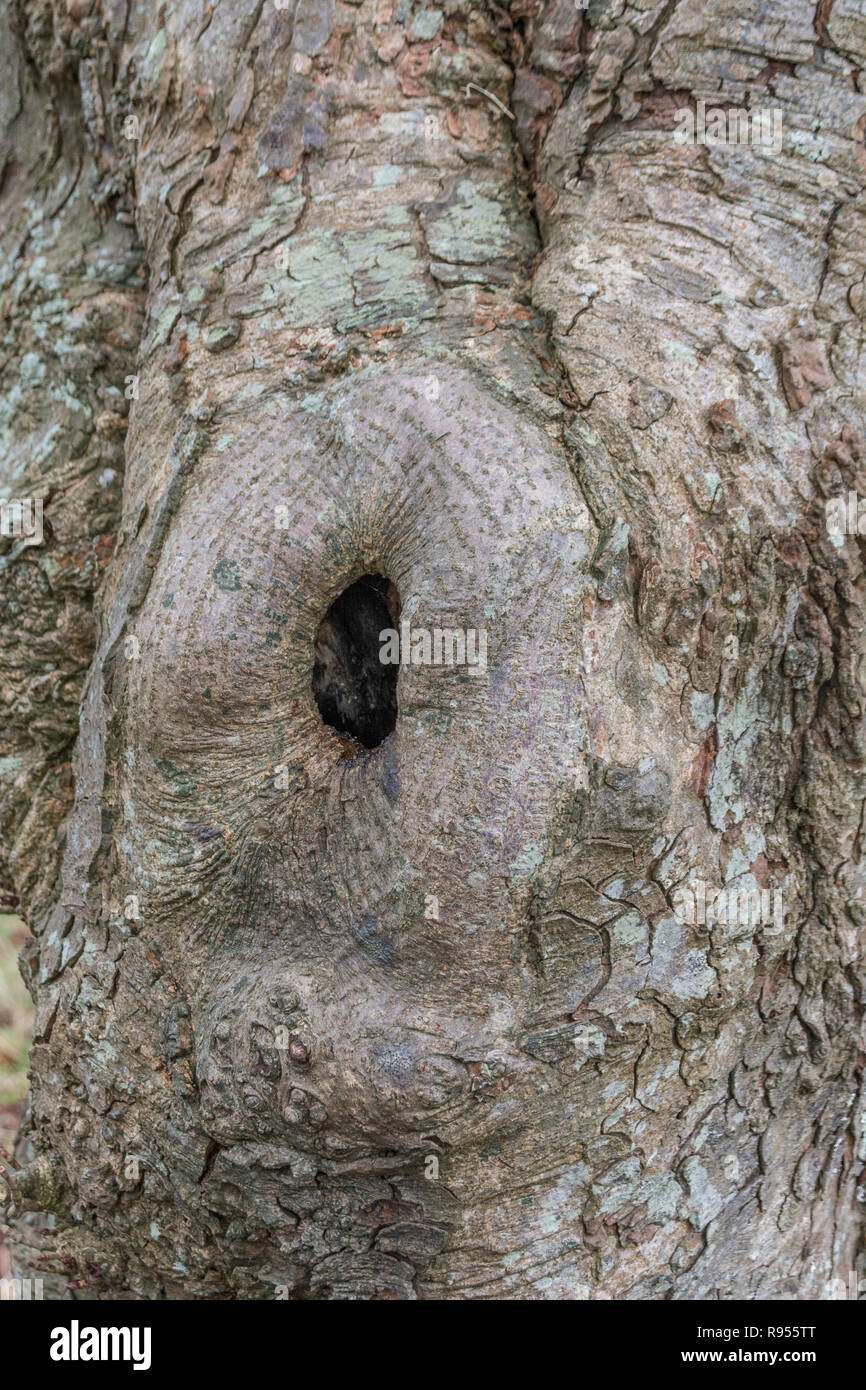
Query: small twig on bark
point(504, 109)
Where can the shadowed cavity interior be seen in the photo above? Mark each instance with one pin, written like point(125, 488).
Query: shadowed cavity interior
point(356, 691)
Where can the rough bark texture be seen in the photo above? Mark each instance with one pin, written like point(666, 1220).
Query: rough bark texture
point(553, 375)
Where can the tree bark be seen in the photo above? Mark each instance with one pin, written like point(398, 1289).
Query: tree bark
point(434, 294)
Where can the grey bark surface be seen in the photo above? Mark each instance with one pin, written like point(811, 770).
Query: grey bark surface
point(552, 374)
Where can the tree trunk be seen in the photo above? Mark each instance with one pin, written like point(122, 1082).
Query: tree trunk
point(436, 295)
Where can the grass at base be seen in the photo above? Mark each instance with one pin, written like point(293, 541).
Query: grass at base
point(16, 1024)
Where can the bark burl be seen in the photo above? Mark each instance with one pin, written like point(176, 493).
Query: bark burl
point(431, 296)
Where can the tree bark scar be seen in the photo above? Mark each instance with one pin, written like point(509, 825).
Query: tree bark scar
point(404, 979)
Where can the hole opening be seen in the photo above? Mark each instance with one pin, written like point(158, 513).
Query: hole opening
point(355, 691)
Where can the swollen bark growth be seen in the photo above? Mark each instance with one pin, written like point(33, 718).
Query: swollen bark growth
point(436, 1020)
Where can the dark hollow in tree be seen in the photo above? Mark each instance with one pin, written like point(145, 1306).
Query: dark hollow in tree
point(355, 691)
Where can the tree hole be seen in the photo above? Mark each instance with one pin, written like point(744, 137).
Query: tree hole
point(355, 691)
